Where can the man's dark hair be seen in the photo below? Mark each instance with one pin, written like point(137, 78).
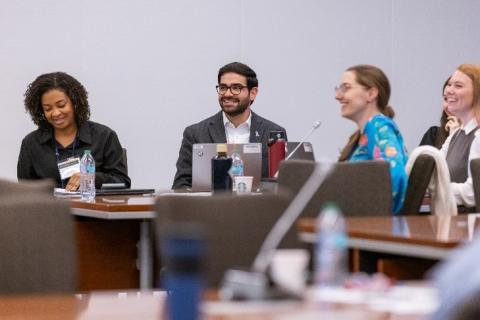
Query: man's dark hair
point(60, 81)
point(241, 69)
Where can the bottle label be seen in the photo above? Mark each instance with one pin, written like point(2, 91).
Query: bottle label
point(236, 170)
point(69, 167)
point(90, 168)
point(252, 148)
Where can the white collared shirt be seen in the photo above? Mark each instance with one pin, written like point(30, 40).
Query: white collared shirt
point(240, 134)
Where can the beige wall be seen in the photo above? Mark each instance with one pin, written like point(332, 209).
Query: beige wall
point(150, 66)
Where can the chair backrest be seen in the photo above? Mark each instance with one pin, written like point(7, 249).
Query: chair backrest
point(236, 226)
point(10, 187)
point(37, 244)
point(125, 160)
point(418, 181)
point(358, 188)
point(475, 170)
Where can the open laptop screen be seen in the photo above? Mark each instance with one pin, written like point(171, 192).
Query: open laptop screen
point(202, 154)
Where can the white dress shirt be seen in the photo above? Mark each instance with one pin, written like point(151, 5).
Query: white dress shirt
point(240, 134)
point(463, 192)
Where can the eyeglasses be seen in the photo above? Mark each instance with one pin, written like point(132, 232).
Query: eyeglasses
point(344, 87)
point(234, 89)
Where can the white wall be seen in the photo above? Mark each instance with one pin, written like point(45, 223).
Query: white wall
point(150, 66)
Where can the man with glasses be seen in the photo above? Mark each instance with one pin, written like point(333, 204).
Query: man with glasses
point(235, 123)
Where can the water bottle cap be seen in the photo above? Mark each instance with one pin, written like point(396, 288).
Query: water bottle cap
point(330, 205)
point(222, 148)
point(87, 151)
point(330, 217)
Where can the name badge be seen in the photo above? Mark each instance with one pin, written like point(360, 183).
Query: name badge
point(69, 167)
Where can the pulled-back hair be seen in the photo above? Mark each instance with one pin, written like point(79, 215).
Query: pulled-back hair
point(370, 77)
point(60, 81)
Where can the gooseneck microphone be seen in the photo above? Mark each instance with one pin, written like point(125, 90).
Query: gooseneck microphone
point(315, 126)
point(252, 284)
point(290, 215)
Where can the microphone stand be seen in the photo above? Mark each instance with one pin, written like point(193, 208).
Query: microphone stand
point(252, 285)
point(290, 215)
point(315, 126)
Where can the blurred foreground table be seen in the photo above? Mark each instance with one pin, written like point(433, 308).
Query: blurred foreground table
point(151, 305)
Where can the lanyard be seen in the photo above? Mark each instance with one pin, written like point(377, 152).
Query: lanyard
point(57, 153)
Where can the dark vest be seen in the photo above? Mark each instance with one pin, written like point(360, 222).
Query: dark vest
point(457, 155)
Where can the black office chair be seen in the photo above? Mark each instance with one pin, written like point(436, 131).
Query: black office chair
point(27, 186)
point(124, 159)
point(418, 181)
point(358, 188)
point(475, 170)
point(37, 243)
point(236, 226)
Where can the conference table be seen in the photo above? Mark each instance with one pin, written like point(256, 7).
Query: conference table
point(115, 240)
point(426, 237)
point(152, 305)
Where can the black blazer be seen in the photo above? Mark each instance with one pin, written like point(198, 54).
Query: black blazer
point(38, 159)
point(212, 130)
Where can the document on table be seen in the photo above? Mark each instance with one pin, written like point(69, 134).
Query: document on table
point(62, 193)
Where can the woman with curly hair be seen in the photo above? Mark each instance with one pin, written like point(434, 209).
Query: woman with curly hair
point(58, 105)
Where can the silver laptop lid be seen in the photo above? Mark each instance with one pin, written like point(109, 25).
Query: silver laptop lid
point(305, 152)
point(202, 154)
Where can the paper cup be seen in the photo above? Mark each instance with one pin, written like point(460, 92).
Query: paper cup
point(288, 269)
point(243, 184)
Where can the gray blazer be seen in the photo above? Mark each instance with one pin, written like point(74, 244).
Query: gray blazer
point(212, 130)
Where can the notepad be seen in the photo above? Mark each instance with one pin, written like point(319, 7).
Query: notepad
point(62, 193)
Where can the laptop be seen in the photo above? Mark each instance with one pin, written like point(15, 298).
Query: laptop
point(202, 154)
point(115, 192)
point(305, 152)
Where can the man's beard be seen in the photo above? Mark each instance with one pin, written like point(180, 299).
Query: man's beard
point(237, 111)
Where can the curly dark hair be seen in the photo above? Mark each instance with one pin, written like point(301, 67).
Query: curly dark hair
point(60, 81)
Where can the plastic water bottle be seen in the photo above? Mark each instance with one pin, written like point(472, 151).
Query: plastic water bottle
point(87, 176)
point(237, 169)
point(183, 251)
point(331, 248)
